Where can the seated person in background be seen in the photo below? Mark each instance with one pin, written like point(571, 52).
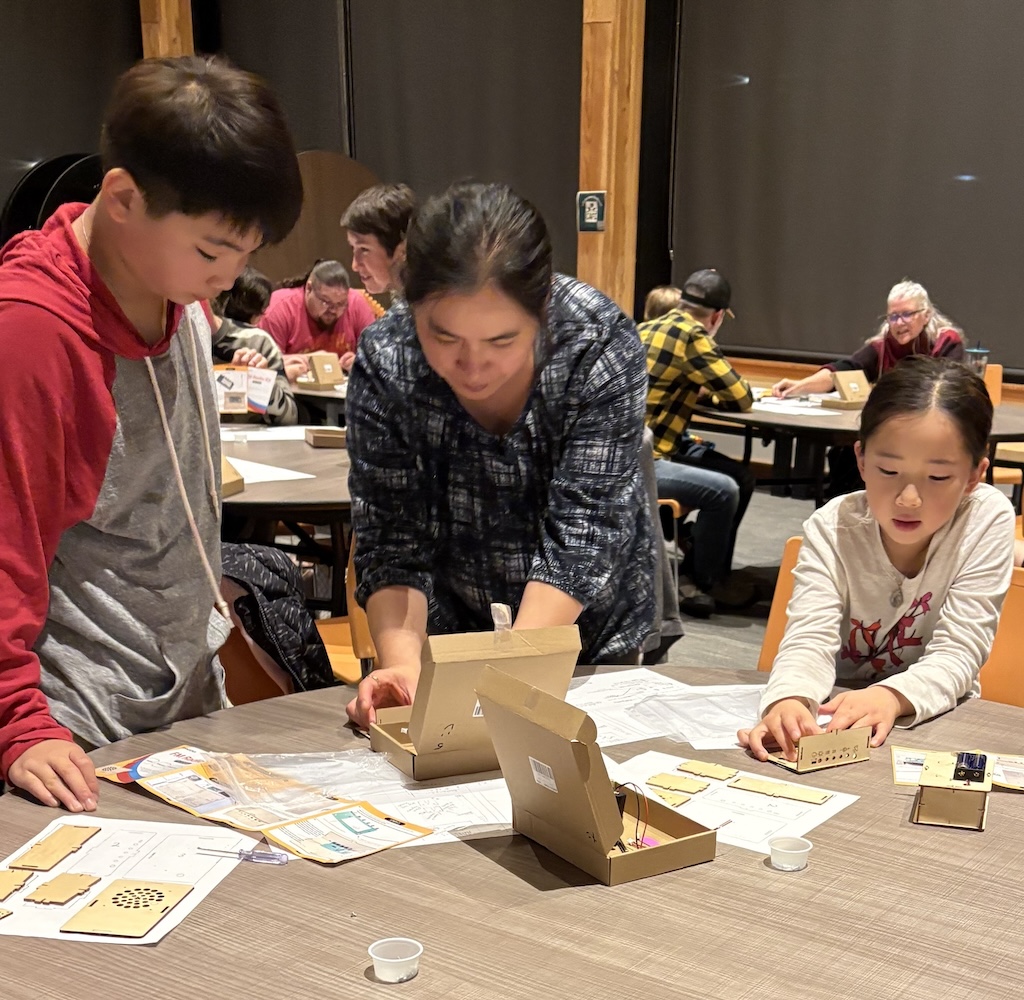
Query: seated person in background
point(660, 300)
point(912, 325)
point(377, 221)
point(897, 589)
point(236, 342)
point(684, 362)
point(317, 313)
point(495, 420)
point(110, 521)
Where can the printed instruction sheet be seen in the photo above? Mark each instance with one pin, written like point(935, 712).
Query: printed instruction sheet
point(742, 818)
point(123, 849)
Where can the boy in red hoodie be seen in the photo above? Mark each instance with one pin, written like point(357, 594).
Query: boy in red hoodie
point(109, 484)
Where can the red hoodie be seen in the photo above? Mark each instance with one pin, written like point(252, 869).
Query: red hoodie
point(61, 332)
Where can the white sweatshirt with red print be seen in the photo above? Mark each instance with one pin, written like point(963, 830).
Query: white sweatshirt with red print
point(855, 619)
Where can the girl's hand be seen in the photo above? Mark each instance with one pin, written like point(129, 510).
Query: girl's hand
point(383, 688)
point(783, 724)
point(877, 706)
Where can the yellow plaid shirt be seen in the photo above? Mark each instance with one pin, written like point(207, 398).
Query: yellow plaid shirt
point(681, 360)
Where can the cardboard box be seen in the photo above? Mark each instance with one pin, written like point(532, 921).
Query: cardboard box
point(853, 388)
point(444, 733)
point(232, 384)
point(813, 753)
point(231, 481)
point(942, 800)
point(325, 437)
point(324, 371)
point(563, 798)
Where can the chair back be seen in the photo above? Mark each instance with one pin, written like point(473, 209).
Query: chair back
point(777, 618)
point(1002, 676)
point(347, 639)
point(994, 383)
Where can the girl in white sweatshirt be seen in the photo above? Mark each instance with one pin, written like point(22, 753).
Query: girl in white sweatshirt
point(897, 588)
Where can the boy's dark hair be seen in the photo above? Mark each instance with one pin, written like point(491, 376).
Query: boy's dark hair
point(384, 211)
point(246, 299)
point(200, 136)
point(918, 384)
point(474, 234)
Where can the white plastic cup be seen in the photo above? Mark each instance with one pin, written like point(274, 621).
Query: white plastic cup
point(241, 437)
point(395, 959)
point(789, 854)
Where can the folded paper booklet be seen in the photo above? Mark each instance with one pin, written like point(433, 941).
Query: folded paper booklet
point(814, 753)
point(231, 789)
point(563, 798)
point(444, 733)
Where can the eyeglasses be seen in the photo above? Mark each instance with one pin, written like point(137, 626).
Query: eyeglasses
point(902, 317)
point(327, 303)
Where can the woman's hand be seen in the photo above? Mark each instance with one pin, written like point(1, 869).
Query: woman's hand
point(383, 688)
point(877, 706)
point(785, 387)
point(783, 724)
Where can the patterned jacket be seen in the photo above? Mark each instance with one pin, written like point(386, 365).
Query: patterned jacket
point(469, 517)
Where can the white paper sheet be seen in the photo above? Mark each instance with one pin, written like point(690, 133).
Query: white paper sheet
point(743, 819)
point(794, 407)
point(256, 432)
point(257, 472)
point(706, 717)
point(615, 702)
point(132, 849)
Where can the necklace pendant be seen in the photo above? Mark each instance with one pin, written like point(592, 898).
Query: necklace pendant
point(896, 598)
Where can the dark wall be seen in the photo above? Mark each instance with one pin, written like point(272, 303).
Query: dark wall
point(829, 149)
point(301, 57)
point(59, 61)
point(444, 90)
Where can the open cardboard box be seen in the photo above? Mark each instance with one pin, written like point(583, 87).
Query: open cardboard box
point(444, 733)
point(942, 800)
point(563, 798)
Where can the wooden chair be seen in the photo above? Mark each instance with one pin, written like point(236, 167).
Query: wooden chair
point(679, 514)
point(776, 626)
point(347, 639)
point(1002, 677)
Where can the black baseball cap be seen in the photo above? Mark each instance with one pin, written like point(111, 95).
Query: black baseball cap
point(709, 289)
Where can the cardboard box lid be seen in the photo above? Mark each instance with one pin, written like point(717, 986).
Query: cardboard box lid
point(445, 713)
point(551, 762)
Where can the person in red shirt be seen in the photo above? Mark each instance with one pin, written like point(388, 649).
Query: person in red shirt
point(321, 314)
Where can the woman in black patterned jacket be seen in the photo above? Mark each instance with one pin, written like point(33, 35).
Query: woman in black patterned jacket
point(495, 419)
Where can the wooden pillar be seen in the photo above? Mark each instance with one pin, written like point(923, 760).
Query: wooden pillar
point(610, 93)
point(166, 28)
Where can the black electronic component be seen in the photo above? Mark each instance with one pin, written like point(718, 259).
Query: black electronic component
point(970, 767)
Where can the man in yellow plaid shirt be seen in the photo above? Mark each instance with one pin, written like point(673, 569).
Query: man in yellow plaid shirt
point(683, 364)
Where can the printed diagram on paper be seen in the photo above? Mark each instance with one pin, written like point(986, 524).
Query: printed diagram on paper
point(622, 703)
point(742, 818)
point(123, 849)
point(293, 799)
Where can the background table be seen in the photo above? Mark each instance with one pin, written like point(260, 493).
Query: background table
point(252, 514)
point(329, 402)
point(886, 909)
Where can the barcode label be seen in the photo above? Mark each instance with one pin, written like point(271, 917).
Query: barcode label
point(543, 775)
point(477, 711)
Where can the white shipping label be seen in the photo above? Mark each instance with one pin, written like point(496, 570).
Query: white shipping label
point(543, 775)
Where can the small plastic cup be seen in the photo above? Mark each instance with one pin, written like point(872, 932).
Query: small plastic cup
point(395, 960)
point(789, 854)
point(976, 358)
point(241, 437)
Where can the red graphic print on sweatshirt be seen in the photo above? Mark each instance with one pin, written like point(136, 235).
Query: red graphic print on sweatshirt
point(883, 653)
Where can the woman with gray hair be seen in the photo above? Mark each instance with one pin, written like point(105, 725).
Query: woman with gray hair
point(912, 325)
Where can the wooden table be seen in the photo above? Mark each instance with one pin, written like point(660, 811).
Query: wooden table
point(817, 430)
point(324, 500)
point(885, 909)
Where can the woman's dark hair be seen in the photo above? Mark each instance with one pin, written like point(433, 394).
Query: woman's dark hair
point(921, 383)
point(383, 211)
point(200, 136)
point(474, 234)
point(246, 299)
